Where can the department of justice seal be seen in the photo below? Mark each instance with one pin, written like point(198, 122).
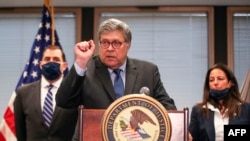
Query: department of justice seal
point(136, 117)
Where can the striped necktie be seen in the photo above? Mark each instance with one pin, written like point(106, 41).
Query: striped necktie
point(118, 84)
point(48, 107)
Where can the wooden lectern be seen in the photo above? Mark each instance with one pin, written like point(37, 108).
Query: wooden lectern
point(90, 124)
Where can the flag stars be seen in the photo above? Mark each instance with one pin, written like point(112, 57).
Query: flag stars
point(25, 74)
point(47, 38)
point(37, 49)
point(47, 13)
point(40, 26)
point(34, 74)
point(35, 62)
point(38, 37)
point(47, 25)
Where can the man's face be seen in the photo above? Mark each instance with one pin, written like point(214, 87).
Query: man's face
point(54, 55)
point(113, 56)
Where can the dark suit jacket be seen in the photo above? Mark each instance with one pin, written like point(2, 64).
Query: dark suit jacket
point(95, 89)
point(202, 129)
point(29, 121)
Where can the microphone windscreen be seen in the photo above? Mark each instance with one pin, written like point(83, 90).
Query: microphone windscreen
point(144, 90)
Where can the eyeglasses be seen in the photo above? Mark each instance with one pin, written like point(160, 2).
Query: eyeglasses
point(106, 44)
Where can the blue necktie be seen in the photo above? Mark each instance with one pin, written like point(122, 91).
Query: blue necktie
point(48, 107)
point(118, 84)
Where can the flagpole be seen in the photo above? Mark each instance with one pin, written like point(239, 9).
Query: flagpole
point(52, 23)
point(50, 5)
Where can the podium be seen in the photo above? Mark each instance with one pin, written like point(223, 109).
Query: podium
point(90, 124)
point(93, 124)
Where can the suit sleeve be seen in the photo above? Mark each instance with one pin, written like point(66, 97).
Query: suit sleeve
point(69, 93)
point(19, 118)
point(194, 124)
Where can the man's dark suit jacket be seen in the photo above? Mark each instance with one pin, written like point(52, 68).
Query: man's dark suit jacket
point(29, 121)
point(202, 129)
point(95, 89)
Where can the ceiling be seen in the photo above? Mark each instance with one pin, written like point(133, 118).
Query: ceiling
point(94, 3)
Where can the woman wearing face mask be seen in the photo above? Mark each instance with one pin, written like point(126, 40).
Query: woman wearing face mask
point(221, 105)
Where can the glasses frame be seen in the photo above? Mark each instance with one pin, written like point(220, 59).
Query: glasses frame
point(115, 44)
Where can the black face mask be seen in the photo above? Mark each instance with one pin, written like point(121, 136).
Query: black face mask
point(51, 70)
point(218, 94)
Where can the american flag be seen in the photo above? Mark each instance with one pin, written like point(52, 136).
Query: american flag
point(31, 71)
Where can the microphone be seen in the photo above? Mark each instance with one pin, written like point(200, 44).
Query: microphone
point(144, 90)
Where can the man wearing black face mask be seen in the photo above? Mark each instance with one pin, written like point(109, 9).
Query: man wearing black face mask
point(37, 118)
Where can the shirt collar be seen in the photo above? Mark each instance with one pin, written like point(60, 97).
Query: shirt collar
point(122, 67)
point(45, 83)
point(212, 108)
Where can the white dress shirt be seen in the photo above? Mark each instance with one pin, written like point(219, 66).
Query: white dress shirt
point(219, 121)
point(44, 90)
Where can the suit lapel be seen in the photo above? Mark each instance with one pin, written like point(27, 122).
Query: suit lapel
point(131, 76)
point(36, 91)
point(209, 124)
point(105, 78)
point(55, 115)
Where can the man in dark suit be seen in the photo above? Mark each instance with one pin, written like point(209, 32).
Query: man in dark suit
point(91, 79)
point(29, 103)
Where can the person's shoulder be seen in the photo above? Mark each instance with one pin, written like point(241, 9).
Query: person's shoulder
point(95, 61)
point(198, 106)
point(28, 85)
point(195, 107)
point(23, 90)
point(246, 104)
point(140, 61)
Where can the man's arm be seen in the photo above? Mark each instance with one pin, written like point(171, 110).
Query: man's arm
point(69, 92)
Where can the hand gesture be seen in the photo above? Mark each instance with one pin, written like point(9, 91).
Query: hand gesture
point(83, 52)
